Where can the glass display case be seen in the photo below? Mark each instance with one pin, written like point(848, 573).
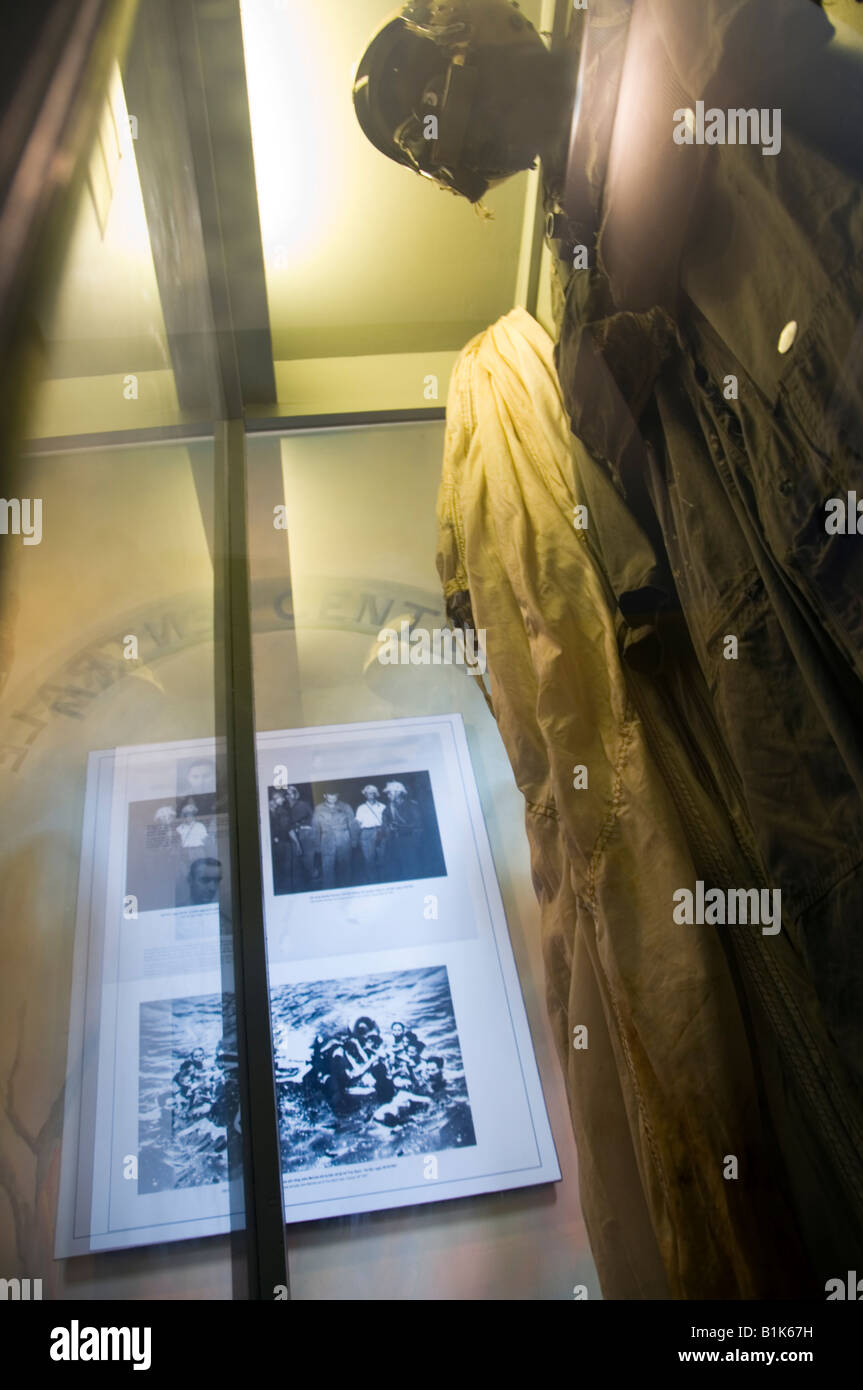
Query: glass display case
point(235, 373)
point(431, 781)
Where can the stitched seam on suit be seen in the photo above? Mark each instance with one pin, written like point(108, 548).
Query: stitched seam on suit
point(626, 732)
point(459, 534)
point(453, 515)
point(647, 1128)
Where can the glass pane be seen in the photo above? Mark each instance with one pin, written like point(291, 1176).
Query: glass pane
point(115, 868)
point(118, 1049)
point(367, 933)
point(107, 362)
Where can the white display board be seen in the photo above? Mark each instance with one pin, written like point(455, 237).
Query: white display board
point(404, 1066)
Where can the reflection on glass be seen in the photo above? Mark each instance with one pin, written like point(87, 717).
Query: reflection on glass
point(404, 1070)
point(110, 786)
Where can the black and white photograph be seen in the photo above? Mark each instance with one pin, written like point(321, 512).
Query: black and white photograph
point(196, 776)
point(173, 855)
point(366, 1068)
point(369, 1068)
point(398, 1028)
point(354, 831)
point(188, 1098)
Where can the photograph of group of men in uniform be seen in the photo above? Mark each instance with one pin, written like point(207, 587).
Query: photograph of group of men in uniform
point(354, 831)
point(368, 1067)
point(174, 858)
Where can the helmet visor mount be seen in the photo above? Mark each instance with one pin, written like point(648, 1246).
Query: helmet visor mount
point(434, 95)
point(432, 140)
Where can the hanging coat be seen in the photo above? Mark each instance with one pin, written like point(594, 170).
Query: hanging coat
point(654, 1028)
point(711, 360)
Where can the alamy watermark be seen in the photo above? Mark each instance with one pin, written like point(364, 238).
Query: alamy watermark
point(737, 126)
point(21, 1290)
point(844, 515)
point(848, 1289)
point(733, 906)
point(441, 647)
point(76, 1343)
point(22, 516)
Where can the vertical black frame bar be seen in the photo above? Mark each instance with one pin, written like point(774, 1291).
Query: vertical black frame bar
point(187, 78)
point(266, 1255)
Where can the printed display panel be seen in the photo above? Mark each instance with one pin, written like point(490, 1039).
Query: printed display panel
point(404, 1069)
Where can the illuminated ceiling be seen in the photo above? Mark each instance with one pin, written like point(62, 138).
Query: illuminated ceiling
point(362, 260)
point(361, 256)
